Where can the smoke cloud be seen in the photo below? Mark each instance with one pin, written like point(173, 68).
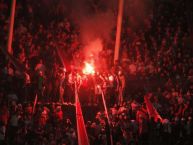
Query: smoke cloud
point(95, 22)
point(97, 18)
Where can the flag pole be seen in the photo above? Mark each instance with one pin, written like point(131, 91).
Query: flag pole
point(81, 129)
point(118, 33)
point(34, 104)
point(11, 25)
point(107, 115)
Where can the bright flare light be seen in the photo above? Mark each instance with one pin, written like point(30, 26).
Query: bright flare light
point(88, 69)
point(111, 78)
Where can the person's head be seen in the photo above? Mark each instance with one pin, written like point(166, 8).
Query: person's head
point(120, 73)
point(116, 63)
point(40, 73)
point(189, 119)
point(68, 121)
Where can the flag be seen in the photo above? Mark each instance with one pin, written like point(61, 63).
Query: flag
point(81, 129)
point(152, 112)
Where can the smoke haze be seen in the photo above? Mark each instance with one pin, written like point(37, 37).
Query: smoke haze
point(96, 18)
point(95, 23)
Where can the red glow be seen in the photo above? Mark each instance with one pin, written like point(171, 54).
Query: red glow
point(88, 69)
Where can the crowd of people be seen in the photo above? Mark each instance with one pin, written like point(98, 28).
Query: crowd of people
point(157, 57)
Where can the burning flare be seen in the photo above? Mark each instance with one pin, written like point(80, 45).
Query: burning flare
point(88, 69)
